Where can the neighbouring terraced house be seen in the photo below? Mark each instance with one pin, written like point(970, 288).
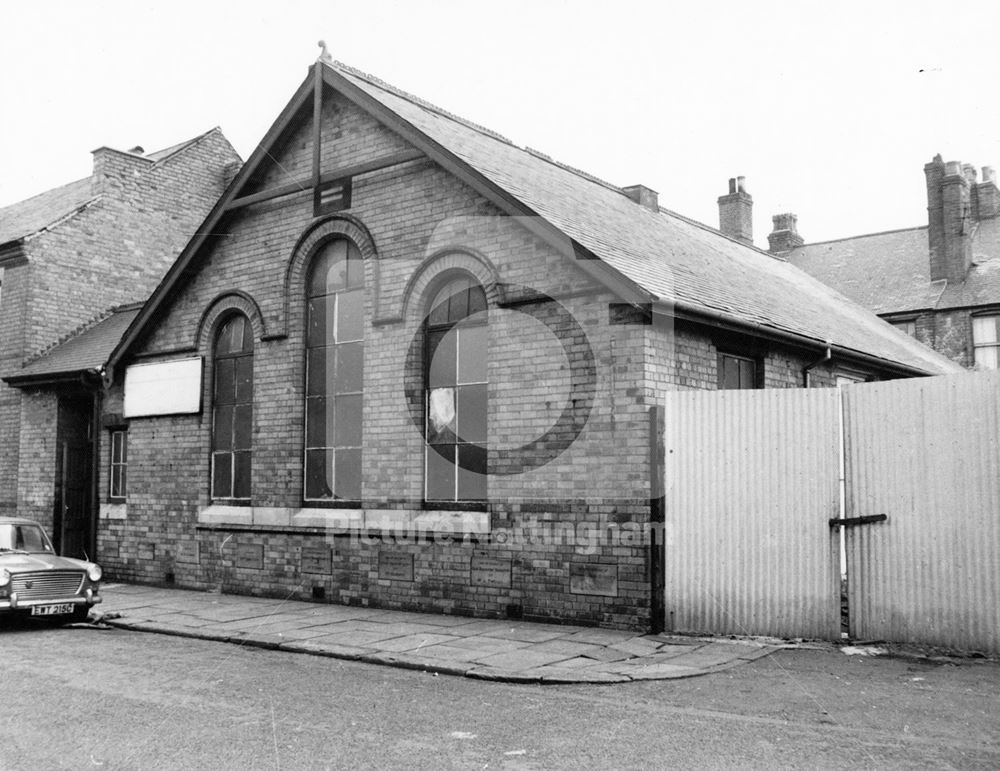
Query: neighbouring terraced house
point(408, 364)
point(74, 261)
point(939, 282)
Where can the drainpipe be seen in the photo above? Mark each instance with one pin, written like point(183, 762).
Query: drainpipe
point(91, 379)
point(827, 355)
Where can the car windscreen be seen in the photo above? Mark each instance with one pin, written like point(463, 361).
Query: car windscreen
point(30, 538)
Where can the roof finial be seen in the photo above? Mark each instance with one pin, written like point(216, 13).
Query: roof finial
point(324, 55)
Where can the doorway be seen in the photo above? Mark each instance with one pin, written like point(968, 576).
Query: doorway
point(73, 505)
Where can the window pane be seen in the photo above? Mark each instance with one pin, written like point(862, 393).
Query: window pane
point(439, 311)
point(746, 373)
point(244, 378)
point(116, 447)
point(441, 416)
point(440, 473)
point(348, 421)
point(477, 300)
point(441, 350)
point(222, 431)
point(350, 316)
point(472, 413)
point(222, 476)
point(320, 330)
point(122, 446)
point(319, 474)
point(458, 303)
point(241, 475)
point(320, 371)
point(471, 473)
point(348, 474)
point(330, 271)
point(355, 269)
point(122, 481)
point(984, 329)
point(242, 426)
point(472, 343)
point(225, 381)
point(350, 367)
point(319, 422)
point(987, 358)
point(116, 485)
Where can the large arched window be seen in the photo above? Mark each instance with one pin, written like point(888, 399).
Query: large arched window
point(456, 393)
point(334, 373)
point(232, 410)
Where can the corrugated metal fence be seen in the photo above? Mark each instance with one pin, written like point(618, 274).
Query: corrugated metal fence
point(752, 482)
point(927, 454)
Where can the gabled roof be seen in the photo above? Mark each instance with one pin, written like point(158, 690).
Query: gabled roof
point(675, 259)
point(660, 257)
point(87, 349)
point(890, 272)
point(32, 215)
point(27, 217)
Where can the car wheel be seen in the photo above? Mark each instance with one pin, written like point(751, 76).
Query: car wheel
point(80, 614)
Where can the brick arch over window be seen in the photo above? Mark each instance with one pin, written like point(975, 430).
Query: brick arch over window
point(436, 269)
point(223, 305)
point(338, 226)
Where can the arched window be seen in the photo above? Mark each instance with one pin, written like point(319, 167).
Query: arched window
point(232, 410)
point(335, 331)
point(456, 393)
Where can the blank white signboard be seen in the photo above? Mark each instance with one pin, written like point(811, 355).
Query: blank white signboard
point(163, 388)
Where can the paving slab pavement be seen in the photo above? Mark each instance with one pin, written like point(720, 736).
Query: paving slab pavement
point(510, 651)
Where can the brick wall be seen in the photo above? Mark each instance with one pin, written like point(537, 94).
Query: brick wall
point(111, 253)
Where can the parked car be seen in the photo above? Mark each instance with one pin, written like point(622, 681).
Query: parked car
point(35, 581)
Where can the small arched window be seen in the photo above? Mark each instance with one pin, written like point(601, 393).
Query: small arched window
point(456, 393)
point(232, 410)
point(335, 330)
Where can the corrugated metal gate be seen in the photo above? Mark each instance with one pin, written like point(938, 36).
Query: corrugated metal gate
point(926, 453)
point(753, 478)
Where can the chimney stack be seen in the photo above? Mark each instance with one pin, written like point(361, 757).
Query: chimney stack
point(115, 168)
point(736, 212)
point(644, 196)
point(784, 235)
point(950, 218)
point(986, 195)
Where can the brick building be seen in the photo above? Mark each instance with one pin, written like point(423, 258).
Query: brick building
point(939, 283)
point(409, 364)
point(69, 258)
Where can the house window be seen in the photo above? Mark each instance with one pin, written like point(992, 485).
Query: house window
point(334, 373)
point(738, 372)
point(986, 341)
point(456, 393)
point(908, 326)
point(232, 413)
point(118, 469)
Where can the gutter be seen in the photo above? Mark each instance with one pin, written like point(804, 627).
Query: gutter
point(88, 378)
point(686, 312)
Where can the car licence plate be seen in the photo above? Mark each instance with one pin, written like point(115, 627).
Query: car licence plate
point(51, 610)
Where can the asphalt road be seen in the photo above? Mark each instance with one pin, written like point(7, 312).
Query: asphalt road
point(85, 698)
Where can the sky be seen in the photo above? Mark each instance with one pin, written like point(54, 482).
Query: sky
point(830, 110)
